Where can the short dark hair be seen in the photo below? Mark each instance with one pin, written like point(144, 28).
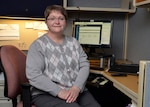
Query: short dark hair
point(59, 8)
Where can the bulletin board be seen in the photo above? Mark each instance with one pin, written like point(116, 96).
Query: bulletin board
point(29, 30)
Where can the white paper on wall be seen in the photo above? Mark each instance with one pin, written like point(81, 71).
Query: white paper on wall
point(9, 31)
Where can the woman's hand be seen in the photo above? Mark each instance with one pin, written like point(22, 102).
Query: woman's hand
point(69, 95)
point(73, 94)
point(63, 94)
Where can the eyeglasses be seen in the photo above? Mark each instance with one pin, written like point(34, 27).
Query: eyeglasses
point(54, 19)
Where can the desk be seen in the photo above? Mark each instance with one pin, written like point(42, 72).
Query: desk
point(128, 85)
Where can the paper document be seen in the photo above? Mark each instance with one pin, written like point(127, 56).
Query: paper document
point(40, 26)
point(29, 25)
point(9, 31)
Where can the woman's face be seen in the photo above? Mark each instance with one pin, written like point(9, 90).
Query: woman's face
point(56, 22)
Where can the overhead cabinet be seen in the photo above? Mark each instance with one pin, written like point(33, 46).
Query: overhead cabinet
point(142, 3)
point(100, 5)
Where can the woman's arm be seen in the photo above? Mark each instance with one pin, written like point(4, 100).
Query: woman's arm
point(35, 66)
point(83, 70)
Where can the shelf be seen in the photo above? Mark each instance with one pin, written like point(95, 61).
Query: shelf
point(100, 9)
point(144, 3)
point(21, 18)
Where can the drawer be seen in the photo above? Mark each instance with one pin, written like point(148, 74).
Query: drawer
point(5, 103)
point(1, 78)
point(1, 91)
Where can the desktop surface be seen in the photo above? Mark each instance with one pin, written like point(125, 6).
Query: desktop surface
point(130, 81)
point(126, 84)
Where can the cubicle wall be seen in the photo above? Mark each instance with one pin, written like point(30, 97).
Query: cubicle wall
point(144, 84)
point(118, 39)
point(118, 32)
point(139, 35)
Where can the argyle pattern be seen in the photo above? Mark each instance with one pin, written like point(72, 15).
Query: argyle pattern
point(61, 61)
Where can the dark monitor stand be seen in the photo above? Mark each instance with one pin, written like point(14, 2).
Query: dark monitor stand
point(100, 56)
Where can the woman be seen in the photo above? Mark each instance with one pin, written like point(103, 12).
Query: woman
point(57, 67)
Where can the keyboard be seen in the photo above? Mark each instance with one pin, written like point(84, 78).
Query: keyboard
point(125, 68)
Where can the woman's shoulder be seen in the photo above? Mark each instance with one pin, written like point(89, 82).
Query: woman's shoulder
point(71, 39)
point(43, 39)
point(39, 41)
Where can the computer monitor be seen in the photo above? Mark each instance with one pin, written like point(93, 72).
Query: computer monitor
point(93, 33)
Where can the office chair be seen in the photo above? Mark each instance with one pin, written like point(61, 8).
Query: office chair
point(13, 62)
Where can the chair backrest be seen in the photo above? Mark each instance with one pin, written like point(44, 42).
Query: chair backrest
point(13, 61)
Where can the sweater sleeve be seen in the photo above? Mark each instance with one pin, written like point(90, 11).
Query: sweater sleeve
point(34, 70)
point(83, 70)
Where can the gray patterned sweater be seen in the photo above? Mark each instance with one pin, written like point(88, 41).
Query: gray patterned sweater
point(51, 67)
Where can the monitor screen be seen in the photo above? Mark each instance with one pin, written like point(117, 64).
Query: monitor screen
point(93, 33)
